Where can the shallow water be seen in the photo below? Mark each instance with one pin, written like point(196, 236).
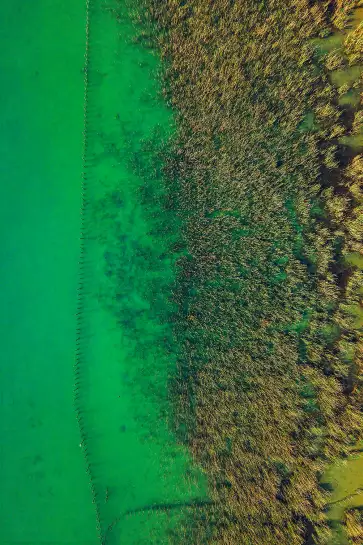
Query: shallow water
point(357, 17)
point(346, 76)
point(346, 477)
point(44, 491)
point(351, 98)
point(126, 336)
point(142, 482)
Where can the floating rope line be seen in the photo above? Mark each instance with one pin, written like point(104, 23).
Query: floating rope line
point(81, 292)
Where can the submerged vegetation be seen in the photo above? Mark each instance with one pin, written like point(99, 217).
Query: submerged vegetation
point(265, 174)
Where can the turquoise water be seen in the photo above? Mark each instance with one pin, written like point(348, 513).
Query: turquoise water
point(44, 495)
point(130, 270)
point(142, 483)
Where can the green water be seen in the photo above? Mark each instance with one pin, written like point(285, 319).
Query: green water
point(44, 494)
point(346, 478)
point(351, 98)
point(141, 482)
point(346, 76)
point(128, 343)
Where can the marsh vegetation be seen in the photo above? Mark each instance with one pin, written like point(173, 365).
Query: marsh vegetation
point(265, 173)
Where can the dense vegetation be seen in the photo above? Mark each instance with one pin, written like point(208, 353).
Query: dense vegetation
point(354, 523)
point(266, 177)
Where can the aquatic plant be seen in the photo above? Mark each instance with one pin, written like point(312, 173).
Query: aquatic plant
point(265, 395)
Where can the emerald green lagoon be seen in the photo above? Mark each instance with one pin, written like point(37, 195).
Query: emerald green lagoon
point(107, 359)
